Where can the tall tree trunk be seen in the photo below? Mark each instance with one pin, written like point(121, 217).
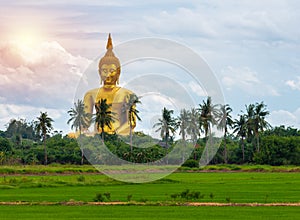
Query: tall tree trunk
point(206, 141)
point(102, 134)
point(211, 144)
point(45, 150)
point(184, 145)
point(225, 149)
point(130, 133)
point(82, 154)
point(82, 157)
point(257, 142)
point(167, 137)
point(243, 149)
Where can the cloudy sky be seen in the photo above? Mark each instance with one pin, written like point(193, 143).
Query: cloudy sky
point(252, 47)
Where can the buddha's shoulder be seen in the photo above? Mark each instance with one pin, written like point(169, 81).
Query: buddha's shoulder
point(91, 93)
point(124, 91)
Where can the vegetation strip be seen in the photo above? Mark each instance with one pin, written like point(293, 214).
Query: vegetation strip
point(88, 169)
point(132, 203)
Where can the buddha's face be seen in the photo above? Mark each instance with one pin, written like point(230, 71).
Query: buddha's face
point(109, 74)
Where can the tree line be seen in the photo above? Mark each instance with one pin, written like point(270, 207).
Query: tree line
point(246, 139)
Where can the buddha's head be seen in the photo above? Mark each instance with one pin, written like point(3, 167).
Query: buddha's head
point(109, 66)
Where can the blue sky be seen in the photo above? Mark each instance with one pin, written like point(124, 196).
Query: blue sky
point(253, 48)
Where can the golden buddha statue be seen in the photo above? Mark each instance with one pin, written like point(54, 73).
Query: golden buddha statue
point(109, 71)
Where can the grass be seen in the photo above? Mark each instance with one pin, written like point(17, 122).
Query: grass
point(67, 169)
point(239, 187)
point(50, 169)
point(147, 212)
point(81, 184)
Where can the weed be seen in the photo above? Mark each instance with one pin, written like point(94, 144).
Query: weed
point(107, 195)
point(12, 181)
point(174, 196)
point(129, 197)
point(266, 198)
point(81, 178)
point(185, 194)
point(143, 200)
point(99, 198)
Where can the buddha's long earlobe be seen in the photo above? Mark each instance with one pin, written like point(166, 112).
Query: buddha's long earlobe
point(101, 81)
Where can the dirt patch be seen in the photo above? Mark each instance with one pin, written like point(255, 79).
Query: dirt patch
point(117, 203)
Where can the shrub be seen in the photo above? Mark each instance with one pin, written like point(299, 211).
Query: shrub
point(99, 198)
point(107, 195)
point(129, 197)
point(191, 163)
point(81, 179)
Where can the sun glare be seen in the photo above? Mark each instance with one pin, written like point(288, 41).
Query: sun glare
point(29, 42)
point(28, 38)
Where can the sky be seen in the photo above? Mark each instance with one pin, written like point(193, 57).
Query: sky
point(251, 47)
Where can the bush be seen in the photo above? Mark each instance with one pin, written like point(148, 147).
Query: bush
point(129, 197)
point(191, 163)
point(99, 198)
point(81, 179)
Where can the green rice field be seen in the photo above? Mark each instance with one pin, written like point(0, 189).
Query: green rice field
point(147, 212)
point(74, 195)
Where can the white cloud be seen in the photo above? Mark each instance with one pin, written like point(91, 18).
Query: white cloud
point(243, 78)
point(294, 84)
point(260, 20)
point(44, 75)
point(10, 111)
point(196, 88)
point(39, 78)
point(284, 117)
point(183, 20)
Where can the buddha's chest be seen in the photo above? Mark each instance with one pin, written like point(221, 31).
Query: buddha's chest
point(114, 96)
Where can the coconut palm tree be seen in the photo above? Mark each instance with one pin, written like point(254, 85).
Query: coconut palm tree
point(255, 119)
point(104, 116)
point(208, 116)
point(194, 126)
point(183, 122)
point(80, 120)
point(166, 125)
point(43, 127)
point(224, 122)
point(259, 121)
point(249, 115)
point(130, 106)
point(240, 128)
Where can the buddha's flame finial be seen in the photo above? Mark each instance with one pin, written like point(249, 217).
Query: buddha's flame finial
point(109, 44)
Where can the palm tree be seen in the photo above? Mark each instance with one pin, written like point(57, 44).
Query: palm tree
point(43, 127)
point(194, 125)
point(255, 120)
point(259, 121)
point(80, 119)
point(225, 121)
point(130, 106)
point(240, 128)
point(104, 116)
point(208, 114)
point(183, 122)
point(166, 125)
point(249, 120)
